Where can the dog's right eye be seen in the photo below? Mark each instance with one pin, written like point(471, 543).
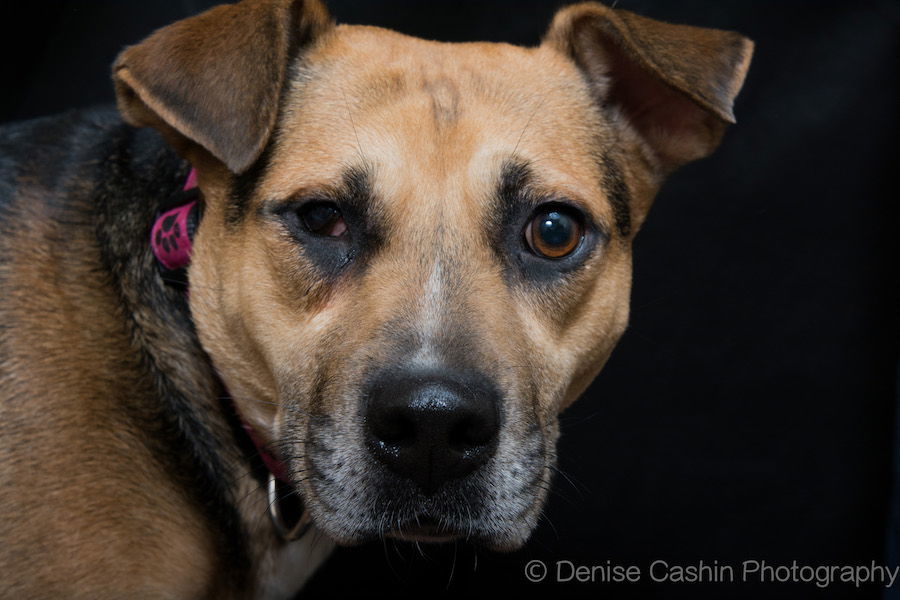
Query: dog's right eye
point(322, 218)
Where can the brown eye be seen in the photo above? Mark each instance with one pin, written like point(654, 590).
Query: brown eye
point(554, 233)
point(323, 218)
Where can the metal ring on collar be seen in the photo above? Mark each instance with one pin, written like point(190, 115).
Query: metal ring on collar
point(288, 532)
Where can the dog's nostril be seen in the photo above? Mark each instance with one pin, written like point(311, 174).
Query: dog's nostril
point(432, 428)
point(394, 427)
point(471, 432)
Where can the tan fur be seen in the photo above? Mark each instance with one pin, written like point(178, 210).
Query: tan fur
point(69, 514)
point(434, 123)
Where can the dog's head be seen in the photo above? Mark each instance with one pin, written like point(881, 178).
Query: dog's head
point(415, 254)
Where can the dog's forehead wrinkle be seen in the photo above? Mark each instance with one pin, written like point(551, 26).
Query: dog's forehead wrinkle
point(445, 99)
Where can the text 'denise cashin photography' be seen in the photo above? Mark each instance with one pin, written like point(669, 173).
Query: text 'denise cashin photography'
point(712, 572)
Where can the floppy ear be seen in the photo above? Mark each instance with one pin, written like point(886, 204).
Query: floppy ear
point(675, 84)
point(216, 79)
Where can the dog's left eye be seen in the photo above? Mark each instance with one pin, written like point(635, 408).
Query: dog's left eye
point(323, 218)
point(554, 232)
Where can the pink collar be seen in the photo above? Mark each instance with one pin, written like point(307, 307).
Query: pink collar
point(170, 237)
point(171, 242)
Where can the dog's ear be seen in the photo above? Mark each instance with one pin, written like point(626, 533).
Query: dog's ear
point(675, 84)
point(216, 79)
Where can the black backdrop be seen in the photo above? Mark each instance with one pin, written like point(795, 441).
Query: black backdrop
point(748, 412)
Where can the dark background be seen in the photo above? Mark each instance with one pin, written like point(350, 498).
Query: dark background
point(748, 412)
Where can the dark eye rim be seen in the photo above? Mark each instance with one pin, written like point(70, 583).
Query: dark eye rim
point(571, 211)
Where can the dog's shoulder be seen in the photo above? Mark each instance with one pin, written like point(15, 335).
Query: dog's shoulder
point(80, 476)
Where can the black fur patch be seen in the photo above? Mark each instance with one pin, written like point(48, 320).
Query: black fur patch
point(617, 192)
point(244, 185)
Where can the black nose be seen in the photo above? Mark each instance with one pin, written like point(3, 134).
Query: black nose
point(432, 428)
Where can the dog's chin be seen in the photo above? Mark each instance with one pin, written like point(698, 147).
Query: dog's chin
point(426, 536)
point(428, 532)
point(424, 531)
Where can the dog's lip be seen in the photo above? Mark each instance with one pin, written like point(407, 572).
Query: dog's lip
point(423, 532)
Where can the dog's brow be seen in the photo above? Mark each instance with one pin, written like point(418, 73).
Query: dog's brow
point(244, 185)
point(357, 190)
point(514, 178)
point(617, 193)
point(517, 185)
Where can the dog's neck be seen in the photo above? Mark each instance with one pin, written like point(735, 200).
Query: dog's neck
point(196, 435)
point(171, 241)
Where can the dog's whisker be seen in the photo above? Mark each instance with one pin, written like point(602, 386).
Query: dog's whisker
point(542, 516)
point(528, 123)
point(581, 489)
point(359, 149)
point(452, 566)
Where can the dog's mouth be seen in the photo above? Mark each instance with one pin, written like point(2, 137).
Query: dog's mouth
point(424, 531)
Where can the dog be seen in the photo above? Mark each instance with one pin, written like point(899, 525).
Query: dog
point(317, 284)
